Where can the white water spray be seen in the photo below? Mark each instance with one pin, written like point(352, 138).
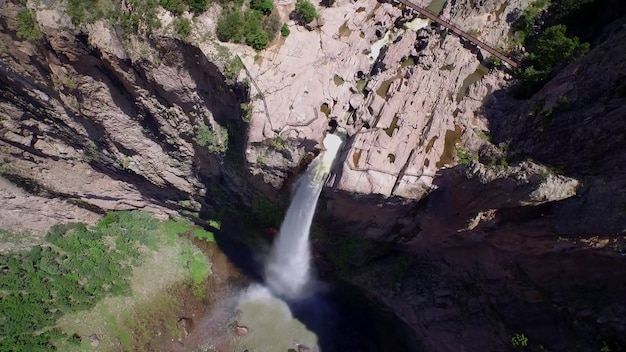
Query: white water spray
point(287, 272)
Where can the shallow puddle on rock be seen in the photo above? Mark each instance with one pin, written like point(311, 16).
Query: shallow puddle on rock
point(449, 149)
point(474, 77)
point(344, 31)
point(436, 6)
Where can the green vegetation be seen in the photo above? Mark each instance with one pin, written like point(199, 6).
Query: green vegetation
point(264, 6)
point(278, 143)
point(305, 10)
point(234, 66)
point(176, 7)
point(215, 140)
point(77, 268)
point(230, 26)
point(27, 26)
point(519, 340)
point(482, 134)
point(197, 6)
point(493, 62)
point(284, 30)
point(204, 235)
point(524, 26)
point(463, 155)
point(267, 212)
point(551, 49)
point(182, 26)
point(256, 26)
point(138, 17)
point(540, 30)
point(246, 112)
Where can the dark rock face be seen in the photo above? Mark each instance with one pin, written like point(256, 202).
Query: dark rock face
point(478, 261)
point(576, 125)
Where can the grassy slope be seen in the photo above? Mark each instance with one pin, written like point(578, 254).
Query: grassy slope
point(118, 280)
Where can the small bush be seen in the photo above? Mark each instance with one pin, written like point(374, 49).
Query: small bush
point(519, 340)
point(284, 30)
point(306, 10)
point(27, 27)
point(216, 141)
point(182, 26)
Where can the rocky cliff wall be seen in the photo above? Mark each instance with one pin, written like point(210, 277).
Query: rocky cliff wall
point(103, 124)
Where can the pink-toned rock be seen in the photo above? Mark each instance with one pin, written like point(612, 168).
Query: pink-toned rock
point(241, 330)
point(419, 97)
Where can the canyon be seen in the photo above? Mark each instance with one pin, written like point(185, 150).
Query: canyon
point(469, 214)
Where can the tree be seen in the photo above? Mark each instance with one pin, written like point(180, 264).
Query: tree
point(284, 30)
point(230, 27)
point(265, 6)
point(306, 10)
point(554, 47)
point(255, 35)
point(551, 49)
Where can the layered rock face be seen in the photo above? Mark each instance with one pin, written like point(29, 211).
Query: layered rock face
point(105, 125)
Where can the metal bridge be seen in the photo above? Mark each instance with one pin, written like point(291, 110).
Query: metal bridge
point(461, 33)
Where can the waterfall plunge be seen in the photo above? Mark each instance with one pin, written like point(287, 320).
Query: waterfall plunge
point(287, 272)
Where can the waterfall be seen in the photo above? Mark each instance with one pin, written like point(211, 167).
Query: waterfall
point(287, 272)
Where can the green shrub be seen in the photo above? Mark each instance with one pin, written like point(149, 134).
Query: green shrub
point(197, 6)
point(284, 30)
point(493, 62)
point(182, 26)
point(257, 38)
point(519, 340)
point(264, 6)
point(305, 10)
point(230, 26)
point(177, 7)
point(216, 141)
point(76, 9)
point(27, 27)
